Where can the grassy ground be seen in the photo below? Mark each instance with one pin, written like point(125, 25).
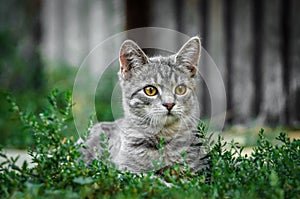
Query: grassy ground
point(244, 137)
point(272, 170)
point(247, 137)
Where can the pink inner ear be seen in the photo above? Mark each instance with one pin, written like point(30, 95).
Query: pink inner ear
point(122, 63)
point(131, 56)
point(126, 58)
point(193, 70)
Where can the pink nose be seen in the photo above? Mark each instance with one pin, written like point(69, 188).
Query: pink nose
point(169, 106)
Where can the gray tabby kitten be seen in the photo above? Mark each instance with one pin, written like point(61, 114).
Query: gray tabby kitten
point(159, 101)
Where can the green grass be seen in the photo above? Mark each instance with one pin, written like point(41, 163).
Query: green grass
point(272, 170)
point(247, 138)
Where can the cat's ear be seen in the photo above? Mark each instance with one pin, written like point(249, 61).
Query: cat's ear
point(189, 55)
point(131, 56)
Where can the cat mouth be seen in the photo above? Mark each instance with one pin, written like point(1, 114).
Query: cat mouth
point(172, 114)
point(169, 113)
point(170, 118)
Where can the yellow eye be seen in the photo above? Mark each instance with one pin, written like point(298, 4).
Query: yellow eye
point(150, 90)
point(180, 89)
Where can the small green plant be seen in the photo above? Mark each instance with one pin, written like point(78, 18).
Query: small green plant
point(272, 171)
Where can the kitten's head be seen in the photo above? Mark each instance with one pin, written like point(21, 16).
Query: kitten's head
point(159, 92)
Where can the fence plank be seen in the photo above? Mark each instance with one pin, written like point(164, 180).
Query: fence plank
point(285, 55)
point(294, 98)
point(73, 42)
point(273, 98)
point(216, 49)
point(242, 83)
point(53, 24)
point(257, 72)
point(163, 14)
point(228, 51)
point(191, 20)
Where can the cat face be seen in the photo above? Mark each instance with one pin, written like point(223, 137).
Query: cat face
point(159, 91)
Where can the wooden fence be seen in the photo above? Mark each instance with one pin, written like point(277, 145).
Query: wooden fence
point(255, 44)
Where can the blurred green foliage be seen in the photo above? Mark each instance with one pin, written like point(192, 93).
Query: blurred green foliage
point(104, 94)
point(28, 79)
point(21, 75)
point(58, 76)
point(54, 76)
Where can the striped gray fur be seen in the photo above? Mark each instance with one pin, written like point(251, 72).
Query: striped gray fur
point(133, 140)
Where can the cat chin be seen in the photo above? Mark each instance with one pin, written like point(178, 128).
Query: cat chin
point(170, 120)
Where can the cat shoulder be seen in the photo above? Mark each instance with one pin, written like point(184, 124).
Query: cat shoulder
point(109, 129)
point(106, 128)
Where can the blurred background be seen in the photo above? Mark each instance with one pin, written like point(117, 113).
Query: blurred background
point(254, 43)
